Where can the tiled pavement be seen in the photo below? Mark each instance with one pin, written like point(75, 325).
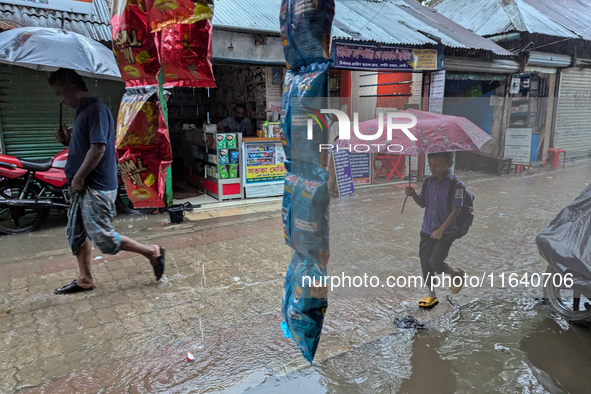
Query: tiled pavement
point(224, 283)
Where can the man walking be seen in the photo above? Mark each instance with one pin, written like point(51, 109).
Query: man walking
point(91, 171)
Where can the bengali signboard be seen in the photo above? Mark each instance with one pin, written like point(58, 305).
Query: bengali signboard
point(342, 165)
point(518, 146)
point(263, 163)
point(361, 168)
point(76, 6)
point(436, 92)
point(366, 56)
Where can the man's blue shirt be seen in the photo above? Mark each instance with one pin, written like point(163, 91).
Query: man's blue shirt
point(94, 124)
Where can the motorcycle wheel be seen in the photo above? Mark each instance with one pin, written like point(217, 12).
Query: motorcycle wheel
point(125, 206)
point(562, 301)
point(16, 220)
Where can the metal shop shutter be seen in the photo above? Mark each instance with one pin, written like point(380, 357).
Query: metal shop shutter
point(573, 124)
point(29, 110)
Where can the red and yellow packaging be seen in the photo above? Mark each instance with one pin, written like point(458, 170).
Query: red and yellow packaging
point(186, 53)
point(163, 14)
point(134, 46)
point(143, 147)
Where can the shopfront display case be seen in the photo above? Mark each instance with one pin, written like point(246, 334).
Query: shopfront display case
point(263, 169)
point(215, 162)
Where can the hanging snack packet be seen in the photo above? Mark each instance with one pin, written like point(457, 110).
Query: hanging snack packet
point(308, 94)
point(285, 123)
point(305, 31)
point(291, 181)
point(166, 13)
point(309, 212)
point(143, 147)
point(304, 302)
point(186, 53)
point(134, 46)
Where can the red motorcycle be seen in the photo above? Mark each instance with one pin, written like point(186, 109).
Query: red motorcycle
point(31, 188)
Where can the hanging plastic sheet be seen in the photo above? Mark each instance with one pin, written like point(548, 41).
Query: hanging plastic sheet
point(143, 147)
point(565, 242)
point(186, 53)
point(133, 44)
point(164, 14)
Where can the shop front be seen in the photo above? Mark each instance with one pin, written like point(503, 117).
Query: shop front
point(226, 139)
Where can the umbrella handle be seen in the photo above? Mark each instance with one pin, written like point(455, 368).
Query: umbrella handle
point(60, 125)
point(404, 205)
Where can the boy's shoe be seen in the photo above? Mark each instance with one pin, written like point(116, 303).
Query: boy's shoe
point(428, 302)
point(456, 289)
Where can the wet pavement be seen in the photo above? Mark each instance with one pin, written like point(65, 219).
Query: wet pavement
point(221, 301)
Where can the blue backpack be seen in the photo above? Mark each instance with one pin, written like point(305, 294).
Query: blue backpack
point(466, 216)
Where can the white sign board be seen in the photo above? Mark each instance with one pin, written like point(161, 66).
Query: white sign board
point(518, 146)
point(437, 89)
point(76, 6)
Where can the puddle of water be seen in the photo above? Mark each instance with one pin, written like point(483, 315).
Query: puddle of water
point(507, 345)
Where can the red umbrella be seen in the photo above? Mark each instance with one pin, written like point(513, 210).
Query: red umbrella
point(434, 133)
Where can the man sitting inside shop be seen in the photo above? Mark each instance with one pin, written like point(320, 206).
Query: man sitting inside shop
point(238, 123)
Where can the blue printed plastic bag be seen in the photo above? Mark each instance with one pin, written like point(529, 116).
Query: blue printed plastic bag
point(286, 210)
point(305, 95)
point(305, 31)
point(304, 302)
point(309, 212)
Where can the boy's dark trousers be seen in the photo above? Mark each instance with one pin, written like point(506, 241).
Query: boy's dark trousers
point(433, 253)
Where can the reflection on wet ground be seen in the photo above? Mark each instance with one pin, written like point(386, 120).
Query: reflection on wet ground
point(498, 344)
point(221, 301)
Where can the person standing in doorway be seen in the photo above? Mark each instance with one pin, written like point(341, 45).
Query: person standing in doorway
point(91, 171)
point(442, 206)
point(238, 123)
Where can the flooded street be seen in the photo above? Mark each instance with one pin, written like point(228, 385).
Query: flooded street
point(221, 301)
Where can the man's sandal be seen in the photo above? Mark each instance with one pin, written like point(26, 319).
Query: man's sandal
point(72, 288)
point(158, 264)
point(428, 302)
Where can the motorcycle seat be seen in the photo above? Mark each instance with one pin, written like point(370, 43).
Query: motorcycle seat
point(37, 165)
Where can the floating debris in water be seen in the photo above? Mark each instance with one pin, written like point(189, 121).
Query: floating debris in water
point(414, 257)
point(6, 312)
point(501, 215)
point(398, 228)
point(190, 356)
point(98, 258)
point(408, 322)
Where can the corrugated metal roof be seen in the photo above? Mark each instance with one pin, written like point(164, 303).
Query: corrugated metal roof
point(573, 14)
point(96, 25)
point(261, 15)
point(491, 17)
point(386, 22)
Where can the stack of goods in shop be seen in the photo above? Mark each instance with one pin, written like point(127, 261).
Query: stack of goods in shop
point(149, 37)
point(305, 31)
point(241, 85)
point(224, 162)
point(143, 147)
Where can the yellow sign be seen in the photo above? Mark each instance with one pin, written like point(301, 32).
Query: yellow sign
point(425, 59)
point(265, 173)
